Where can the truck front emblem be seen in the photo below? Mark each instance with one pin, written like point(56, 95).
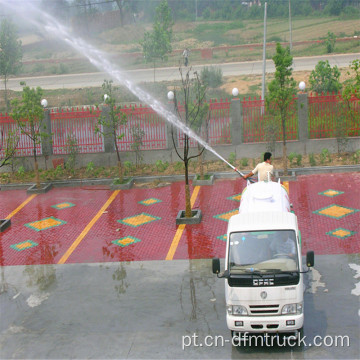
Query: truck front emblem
point(263, 295)
point(263, 282)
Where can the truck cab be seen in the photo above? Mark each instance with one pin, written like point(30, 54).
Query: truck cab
point(263, 274)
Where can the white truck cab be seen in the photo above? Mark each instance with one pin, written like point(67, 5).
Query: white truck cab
point(263, 270)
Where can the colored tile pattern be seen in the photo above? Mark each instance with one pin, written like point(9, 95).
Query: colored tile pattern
point(138, 220)
point(222, 237)
point(45, 224)
point(63, 205)
point(331, 193)
point(227, 215)
point(27, 244)
point(235, 197)
point(150, 201)
point(341, 233)
point(126, 241)
point(196, 242)
point(335, 211)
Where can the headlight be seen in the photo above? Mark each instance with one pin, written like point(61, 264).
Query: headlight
point(237, 310)
point(289, 309)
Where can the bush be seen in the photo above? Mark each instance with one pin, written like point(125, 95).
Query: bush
point(211, 76)
point(325, 156)
point(179, 166)
point(298, 159)
point(90, 167)
point(160, 166)
point(232, 158)
point(244, 161)
point(291, 157)
point(312, 159)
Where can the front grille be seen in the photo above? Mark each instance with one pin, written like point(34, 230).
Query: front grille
point(264, 309)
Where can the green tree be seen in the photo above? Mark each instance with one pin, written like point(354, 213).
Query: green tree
point(109, 123)
point(156, 44)
point(193, 95)
point(330, 42)
point(325, 78)
point(10, 53)
point(29, 115)
point(281, 91)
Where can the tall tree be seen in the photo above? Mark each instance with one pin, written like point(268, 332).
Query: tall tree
point(10, 52)
point(29, 115)
point(108, 125)
point(157, 43)
point(325, 78)
point(281, 91)
point(193, 112)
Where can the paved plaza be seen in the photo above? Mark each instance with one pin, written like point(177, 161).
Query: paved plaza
point(93, 224)
point(91, 273)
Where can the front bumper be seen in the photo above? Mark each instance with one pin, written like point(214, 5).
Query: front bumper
point(266, 324)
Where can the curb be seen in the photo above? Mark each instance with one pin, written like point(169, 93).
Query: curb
point(294, 172)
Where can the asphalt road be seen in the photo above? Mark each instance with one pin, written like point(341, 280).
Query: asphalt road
point(161, 309)
point(73, 81)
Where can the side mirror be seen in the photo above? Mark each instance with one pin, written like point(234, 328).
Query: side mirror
point(310, 259)
point(215, 265)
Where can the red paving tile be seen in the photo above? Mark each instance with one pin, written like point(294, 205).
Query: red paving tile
point(153, 239)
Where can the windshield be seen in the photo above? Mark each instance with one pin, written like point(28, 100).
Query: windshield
point(263, 251)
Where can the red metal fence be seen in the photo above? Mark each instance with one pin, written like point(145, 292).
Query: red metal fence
point(146, 119)
point(323, 114)
point(25, 144)
point(79, 124)
point(257, 121)
point(331, 116)
point(218, 126)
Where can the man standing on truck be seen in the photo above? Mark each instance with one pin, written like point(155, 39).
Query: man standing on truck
point(263, 169)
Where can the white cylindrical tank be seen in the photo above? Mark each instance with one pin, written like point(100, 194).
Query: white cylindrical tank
point(264, 196)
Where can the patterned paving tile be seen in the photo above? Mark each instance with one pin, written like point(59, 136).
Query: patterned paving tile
point(331, 193)
point(27, 244)
point(341, 233)
point(227, 215)
point(45, 224)
point(236, 197)
point(138, 220)
point(150, 201)
point(126, 241)
point(335, 211)
point(222, 237)
point(63, 205)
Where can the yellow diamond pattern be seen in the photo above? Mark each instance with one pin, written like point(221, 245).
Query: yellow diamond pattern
point(341, 233)
point(62, 206)
point(331, 192)
point(24, 245)
point(139, 220)
point(336, 211)
point(126, 241)
point(228, 215)
point(150, 201)
point(46, 223)
point(237, 197)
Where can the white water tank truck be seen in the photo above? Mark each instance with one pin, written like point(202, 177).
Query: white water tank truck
point(264, 283)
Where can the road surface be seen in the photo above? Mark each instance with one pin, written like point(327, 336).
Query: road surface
point(73, 81)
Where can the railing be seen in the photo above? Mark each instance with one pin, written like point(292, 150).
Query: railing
point(218, 126)
point(330, 116)
point(258, 123)
point(324, 112)
point(76, 124)
point(25, 144)
point(147, 120)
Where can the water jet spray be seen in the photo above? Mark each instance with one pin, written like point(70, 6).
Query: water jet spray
point(99, 60)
